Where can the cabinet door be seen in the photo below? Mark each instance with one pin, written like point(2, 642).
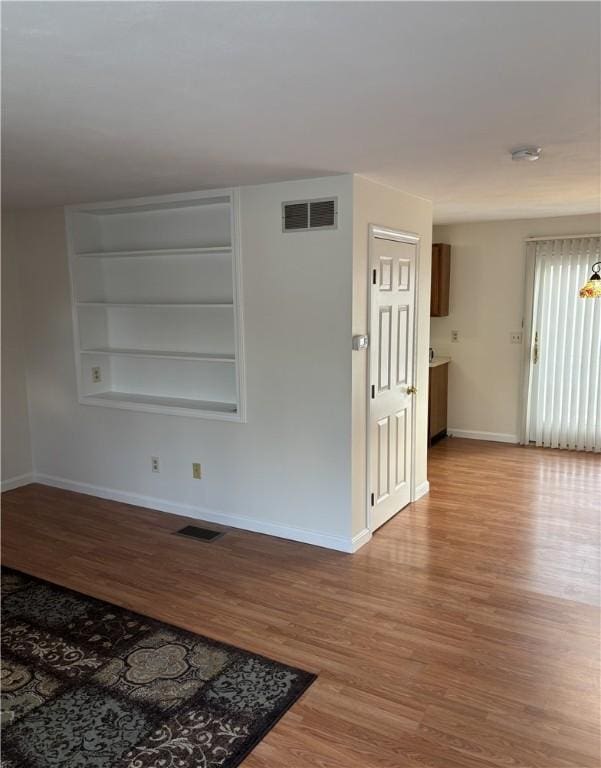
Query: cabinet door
point(438, 400)
point(441, 279)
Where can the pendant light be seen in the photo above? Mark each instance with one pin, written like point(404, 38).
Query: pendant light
point(592, 288)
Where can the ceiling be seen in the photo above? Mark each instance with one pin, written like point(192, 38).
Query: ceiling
point(108, 100)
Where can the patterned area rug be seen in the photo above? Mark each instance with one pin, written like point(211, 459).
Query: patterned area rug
point(88, 685)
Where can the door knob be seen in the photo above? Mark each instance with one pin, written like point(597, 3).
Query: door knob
point(412, 390)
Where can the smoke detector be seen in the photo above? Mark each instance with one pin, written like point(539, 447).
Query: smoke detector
point(526, 153)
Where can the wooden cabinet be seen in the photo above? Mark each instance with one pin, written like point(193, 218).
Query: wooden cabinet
point(441, 280)
point(437, 401)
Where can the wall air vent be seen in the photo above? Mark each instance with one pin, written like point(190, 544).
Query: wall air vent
point(303, 215)
point(296, 216)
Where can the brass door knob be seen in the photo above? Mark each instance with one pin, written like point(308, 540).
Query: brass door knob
point(412, 390)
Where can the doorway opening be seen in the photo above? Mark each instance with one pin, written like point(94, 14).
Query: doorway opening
point(562, 382)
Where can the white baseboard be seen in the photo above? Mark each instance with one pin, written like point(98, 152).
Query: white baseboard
point(359, 539)
point(421, 490)
point(316, 538)
point(495, 437)
point(17, 482)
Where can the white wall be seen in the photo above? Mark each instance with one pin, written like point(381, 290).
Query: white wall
point(286, 471)
point(486, 305)
point(297, 467)
point(16, 445)
point(378, 204)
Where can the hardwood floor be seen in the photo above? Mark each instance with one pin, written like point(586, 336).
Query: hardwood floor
point(465, 635)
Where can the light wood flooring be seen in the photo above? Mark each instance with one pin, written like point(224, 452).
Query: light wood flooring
point(465, 635)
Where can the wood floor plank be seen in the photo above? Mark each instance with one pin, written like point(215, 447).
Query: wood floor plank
point(464, 635)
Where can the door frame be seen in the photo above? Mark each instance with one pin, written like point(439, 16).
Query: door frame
point(403, 236)
point(528, 341)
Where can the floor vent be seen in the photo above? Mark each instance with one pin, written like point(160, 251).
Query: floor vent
point(202, 534)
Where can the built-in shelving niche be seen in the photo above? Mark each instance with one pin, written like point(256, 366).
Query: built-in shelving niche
point(157, 304)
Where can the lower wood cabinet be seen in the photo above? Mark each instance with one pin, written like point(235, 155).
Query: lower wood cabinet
point(437, 401)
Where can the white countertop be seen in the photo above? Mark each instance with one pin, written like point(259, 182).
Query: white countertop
point(439, 361)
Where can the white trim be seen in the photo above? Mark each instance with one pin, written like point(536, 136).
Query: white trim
point(238, 297)
point(17, 481)
point(152, 200)
point(495, 437)
point(527, 346)
point(340, 543)
point(397, 235)
point(558, 237)
point(231, 197)
point(421, 490)
point(70, 211)
point(188, 413)
point(359, 539)
point(376, 231)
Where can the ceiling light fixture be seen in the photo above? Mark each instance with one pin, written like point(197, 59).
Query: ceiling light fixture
point(526, 153)
point(592, 288)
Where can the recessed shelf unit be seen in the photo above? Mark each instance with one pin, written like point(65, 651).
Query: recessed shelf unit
point(157, 304)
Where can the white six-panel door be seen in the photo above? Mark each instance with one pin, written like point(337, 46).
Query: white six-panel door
point(393, 258)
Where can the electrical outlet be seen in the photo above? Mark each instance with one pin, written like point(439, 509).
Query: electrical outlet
point(154, 463)
point(196, 471)
point(96, 374)
point(516, 337)
point(454, 336)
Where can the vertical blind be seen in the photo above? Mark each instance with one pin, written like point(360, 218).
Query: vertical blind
point(564, 402)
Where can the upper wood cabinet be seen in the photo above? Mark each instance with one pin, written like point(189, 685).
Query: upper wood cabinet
point(441, 278)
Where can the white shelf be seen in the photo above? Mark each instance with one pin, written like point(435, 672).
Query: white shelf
point(162, 353)
point(203, 251)
point(151, 279)
point(136, 206)
point(154, 305)
point(123, 399)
